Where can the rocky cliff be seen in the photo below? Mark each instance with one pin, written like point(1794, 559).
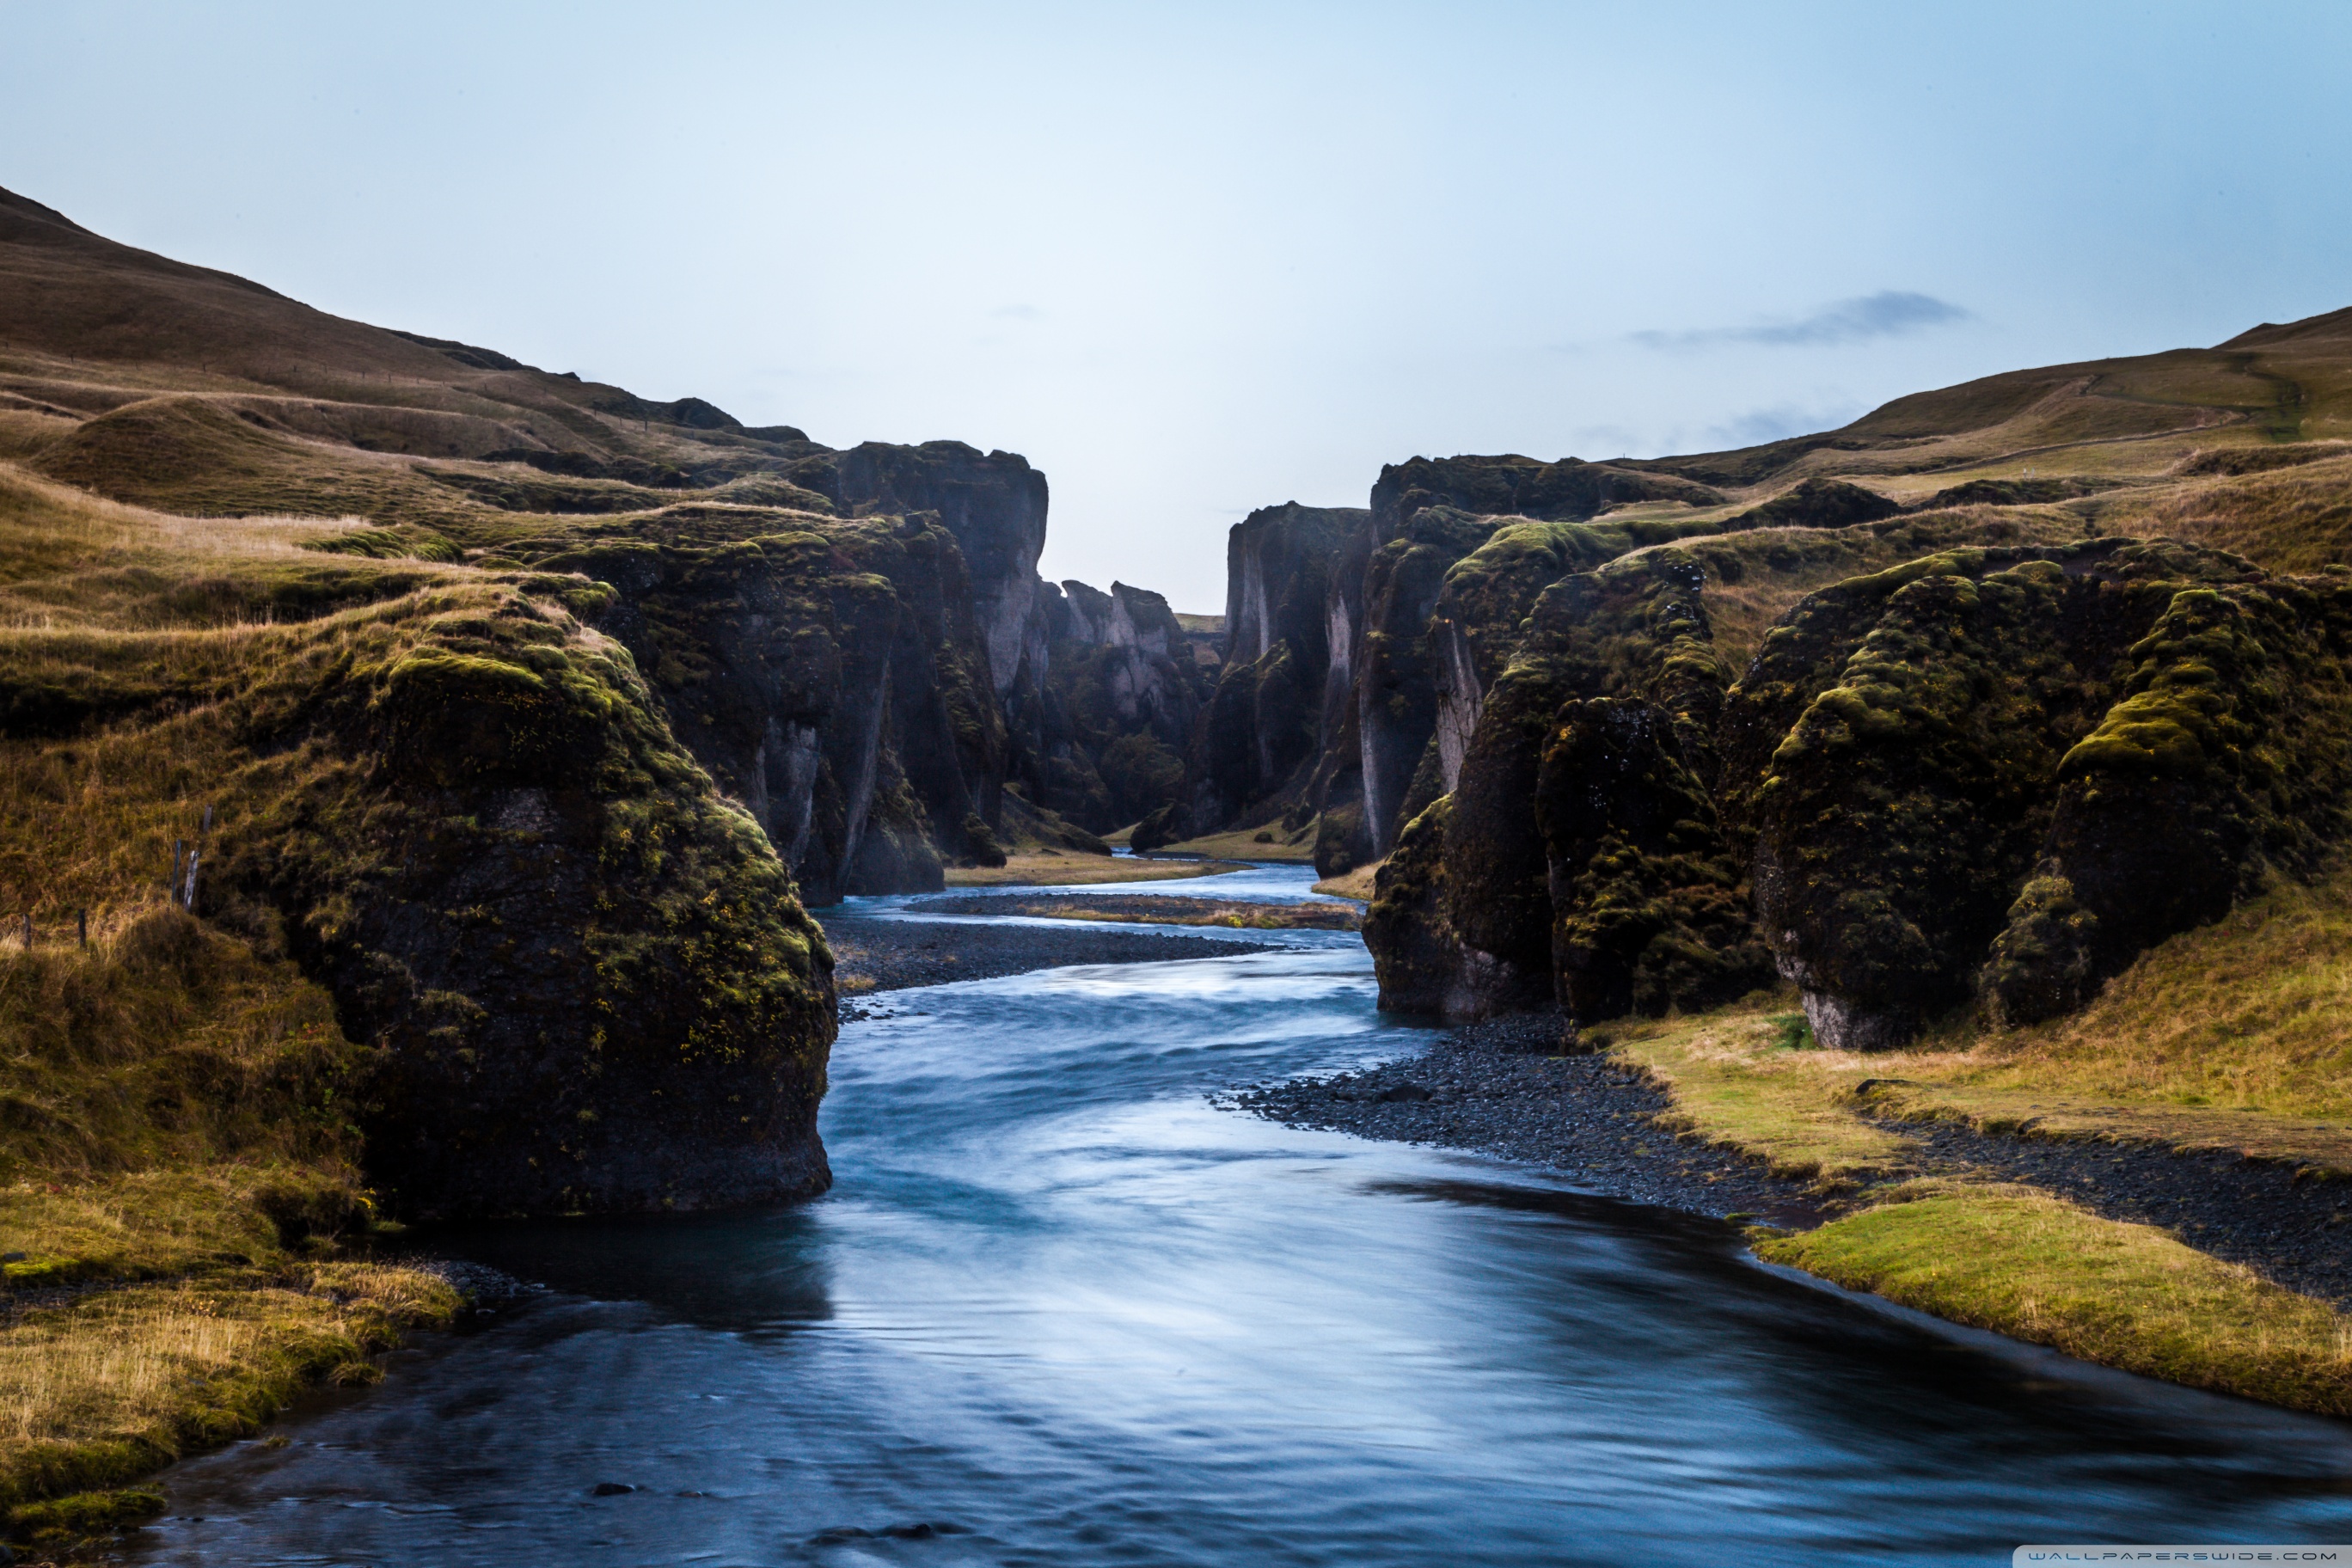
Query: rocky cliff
point(1825, 710)
point(1120, 698)
point(1282, 686)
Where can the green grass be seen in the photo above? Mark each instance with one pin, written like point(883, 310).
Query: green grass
point(2023, 1263)
point(1739, 1080)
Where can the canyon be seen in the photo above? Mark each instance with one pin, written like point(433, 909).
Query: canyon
point(1964, 705)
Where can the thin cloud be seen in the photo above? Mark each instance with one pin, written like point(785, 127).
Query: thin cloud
point(1758, 426)
point(1890, 314)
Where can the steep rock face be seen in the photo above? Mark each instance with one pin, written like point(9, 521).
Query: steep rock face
point(1430, 604)
point(993, 504)
point(830, 675)
point(1122, 695)
point(1993, 772)
point(1421, 962)
point(1634, 629)
point(1268, 720)
point(1649, 895)
point(1396, 678)
point(2225, 755)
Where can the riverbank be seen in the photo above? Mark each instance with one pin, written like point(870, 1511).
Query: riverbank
point(162, 1316)
point(2199, 1264)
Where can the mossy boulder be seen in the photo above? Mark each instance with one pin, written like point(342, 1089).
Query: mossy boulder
point(1509, 485)
point(584, 971)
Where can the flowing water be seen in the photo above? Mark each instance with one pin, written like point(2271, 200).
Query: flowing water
point(1059, 1309)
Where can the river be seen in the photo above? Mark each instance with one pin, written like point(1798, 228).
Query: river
point(1059, 1309)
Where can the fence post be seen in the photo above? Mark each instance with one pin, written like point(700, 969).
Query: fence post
point(189, 902)
point(81, 927)
point(28, 934)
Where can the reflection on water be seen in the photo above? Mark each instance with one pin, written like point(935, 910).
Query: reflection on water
point(1059, 1309)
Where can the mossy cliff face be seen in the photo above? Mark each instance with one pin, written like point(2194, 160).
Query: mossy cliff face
point(575, 975)
point(1422, 962)
point(993, 504)
point(1992, 774)
point(1398, 665)
point(1363, 645)
point(1648, 895)
point(2227, 748)
point(1634, 630)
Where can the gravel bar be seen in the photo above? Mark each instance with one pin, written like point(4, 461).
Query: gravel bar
point(1502, 1088)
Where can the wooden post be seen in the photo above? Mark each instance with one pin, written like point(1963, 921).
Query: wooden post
point(28, 934)
point(189, 902)
point(208, 819)
point(81, 926)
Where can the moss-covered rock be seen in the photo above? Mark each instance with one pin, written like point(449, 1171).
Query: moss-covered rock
point(588, 980)
point(1415, 953)
point(1648, 896)
point(2224, 755)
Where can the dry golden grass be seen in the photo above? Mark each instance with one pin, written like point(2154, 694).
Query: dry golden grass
point(94, 1391)
point(1356, 884)
point(1052, 870)
point(2021, 1262)
point(1246, 844)
point(2237, 1035)
point(2294, 519)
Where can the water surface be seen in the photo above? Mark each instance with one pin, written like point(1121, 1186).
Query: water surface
point(1060, 1309)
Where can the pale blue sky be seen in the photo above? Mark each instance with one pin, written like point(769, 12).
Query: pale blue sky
point(1192, 260)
